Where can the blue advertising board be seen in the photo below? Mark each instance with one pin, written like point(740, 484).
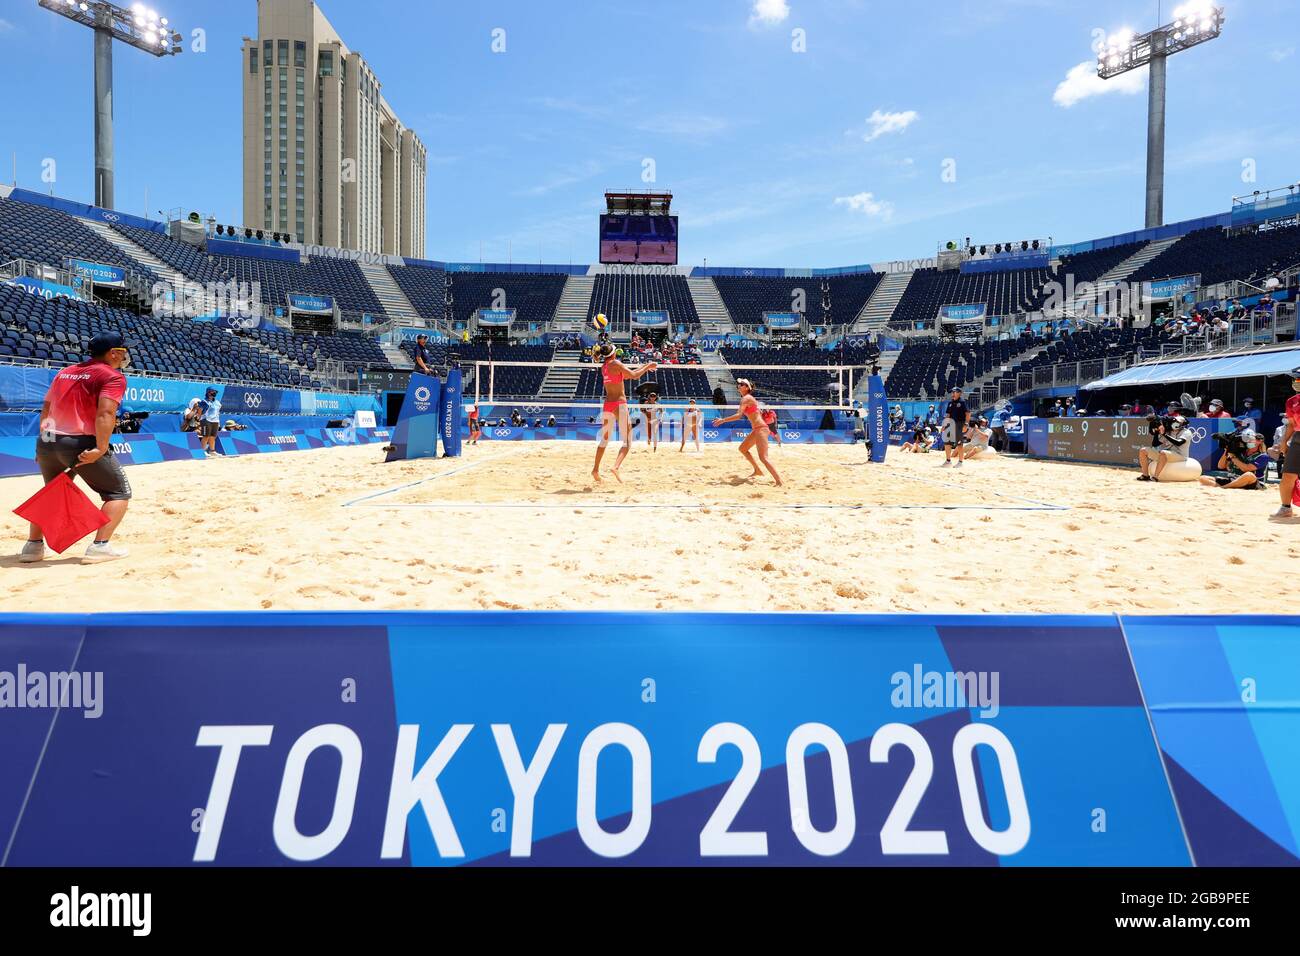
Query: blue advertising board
point(963, 312)
point(1115, 441)
point(314, 304)
point(419, 422)
point(684, 739)
point(782, 320)
point(44, 288)
point(649, 319)
point(495, 316)
point(97, 273)
point(877, 418)
point(1171, 288)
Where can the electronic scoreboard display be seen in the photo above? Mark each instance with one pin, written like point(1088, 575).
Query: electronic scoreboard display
point(1111, 441)
point(638, 239)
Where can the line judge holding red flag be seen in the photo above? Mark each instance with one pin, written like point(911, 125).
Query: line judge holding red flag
point(77, 421)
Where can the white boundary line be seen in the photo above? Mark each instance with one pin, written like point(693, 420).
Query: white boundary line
point(705, 506)
point(411, 484)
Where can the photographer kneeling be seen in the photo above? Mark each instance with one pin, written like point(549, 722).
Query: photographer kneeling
point(1170, 441)
point(1243, 464)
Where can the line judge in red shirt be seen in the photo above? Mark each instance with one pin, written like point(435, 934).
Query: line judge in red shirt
point(77, 421)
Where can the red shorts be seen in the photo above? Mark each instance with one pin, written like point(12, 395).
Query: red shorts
point(613, 407)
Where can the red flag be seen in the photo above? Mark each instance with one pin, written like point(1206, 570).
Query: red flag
point(1295, 494)
point(63, 512)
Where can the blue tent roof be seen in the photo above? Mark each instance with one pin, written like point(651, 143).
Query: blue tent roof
point(1277, 362)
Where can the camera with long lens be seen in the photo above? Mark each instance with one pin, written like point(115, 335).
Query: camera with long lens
point(1233, 444)
point(1156, 422)
point(129, 424)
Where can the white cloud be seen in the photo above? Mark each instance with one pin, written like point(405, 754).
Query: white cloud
point(1082, 82)
point(768, 12)
point(5, 26)
point(867, 204)
point(1281, 54)
point(884, 123)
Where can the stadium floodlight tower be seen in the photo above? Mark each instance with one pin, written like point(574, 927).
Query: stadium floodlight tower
point(1193, 24)
point(143, 29)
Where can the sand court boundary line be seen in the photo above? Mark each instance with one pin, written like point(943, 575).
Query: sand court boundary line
point(356, 502)
point(702, 506)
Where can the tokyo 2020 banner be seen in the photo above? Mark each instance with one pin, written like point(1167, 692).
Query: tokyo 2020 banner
point(446, 739)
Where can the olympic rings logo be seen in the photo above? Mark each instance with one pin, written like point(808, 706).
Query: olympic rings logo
point(502, 433)
point(793, 436)
point(533, 409)
point(1198, 433)
point(422, 394)
point(252, 400)
point(710, 434)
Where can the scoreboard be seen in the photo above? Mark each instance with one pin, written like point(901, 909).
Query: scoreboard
point(1111, 441)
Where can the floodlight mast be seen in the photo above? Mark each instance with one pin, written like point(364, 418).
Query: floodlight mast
point(139, 27)
point(1194, 23)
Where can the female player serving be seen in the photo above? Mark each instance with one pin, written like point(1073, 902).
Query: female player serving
point(614, 411)
point(757, 439)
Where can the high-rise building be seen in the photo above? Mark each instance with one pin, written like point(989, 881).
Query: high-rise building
point(325, 157)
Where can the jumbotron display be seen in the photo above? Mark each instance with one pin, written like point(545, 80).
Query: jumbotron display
point(638, 228)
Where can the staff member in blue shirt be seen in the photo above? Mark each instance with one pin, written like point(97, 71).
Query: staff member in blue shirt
point(954, 429)
point(211, 423)
point(1000, 418)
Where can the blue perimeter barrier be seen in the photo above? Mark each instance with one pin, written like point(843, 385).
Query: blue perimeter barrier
point(18, 455)
point(686, 739)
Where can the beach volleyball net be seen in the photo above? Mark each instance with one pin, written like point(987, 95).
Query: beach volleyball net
point(569, 397)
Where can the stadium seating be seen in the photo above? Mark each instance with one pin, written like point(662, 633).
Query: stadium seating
point(1004, 293)
point(617, 295)
point(815, 387)
point(322, 275)
point(1092, 265)
point(928, 367)
point(533, 296)
point(748, 298)
point(424, 288)
point(41, 234)
point(58, 331)
point(675, 382)
point(507, 381)
point(186, 259)
point(1219, 257)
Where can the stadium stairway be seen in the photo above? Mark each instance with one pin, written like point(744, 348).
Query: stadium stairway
point(389, 294)
point(975, 387)
point(1122, 271)
point(561, 384)
point(719, 375)
point(397, 358)
point(574, 306)
point(133, 251)
point(714, 317)
point(879, 309)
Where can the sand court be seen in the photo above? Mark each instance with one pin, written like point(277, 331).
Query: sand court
point(521, 525)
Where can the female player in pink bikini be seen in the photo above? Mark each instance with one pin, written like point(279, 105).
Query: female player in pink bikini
point(614, 411)
point(749, 408)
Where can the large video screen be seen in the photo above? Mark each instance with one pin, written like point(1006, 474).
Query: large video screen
point(646, 239)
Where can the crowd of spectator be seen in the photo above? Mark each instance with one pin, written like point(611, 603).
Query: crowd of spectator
point(1216, 318)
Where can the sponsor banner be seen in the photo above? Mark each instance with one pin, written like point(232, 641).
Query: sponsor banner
point(18, 455)
point(97, 273)
point(43, 287)
point(965, 312)
point(495, 317)
point(649, 319)
point(844, 739)
point(449, 428)
point(364, 419)
point(314, 304)
point(410, 334)
point(1159, 290)
point(416, 434)
point(782, 320)
point(877, 418)
point(1115, 441)
point(337, 404)
point(354, 255)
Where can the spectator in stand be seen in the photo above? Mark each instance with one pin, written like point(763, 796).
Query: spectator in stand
point(1249, 411)
point(77, 420)
point(1216, 410)
point(932, 417)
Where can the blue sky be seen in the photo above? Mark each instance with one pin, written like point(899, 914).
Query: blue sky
point(830, 156)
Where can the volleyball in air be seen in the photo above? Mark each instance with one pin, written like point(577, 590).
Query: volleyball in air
point(600, 321)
